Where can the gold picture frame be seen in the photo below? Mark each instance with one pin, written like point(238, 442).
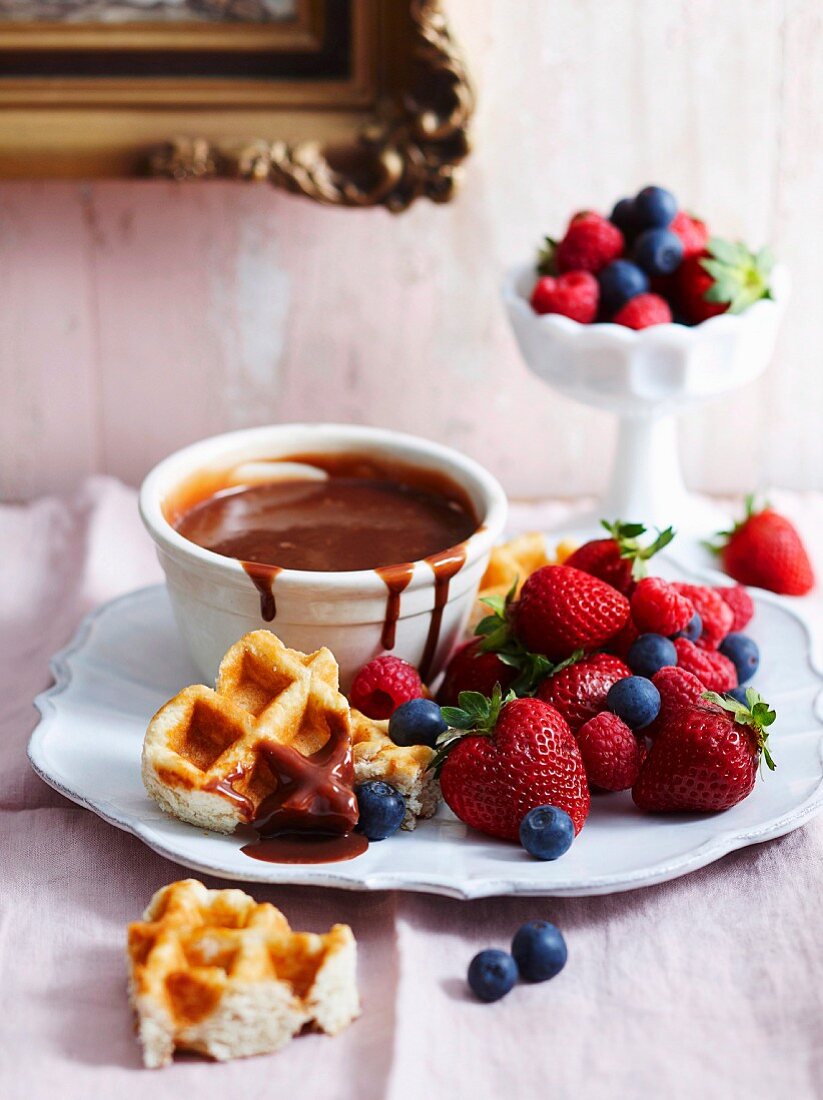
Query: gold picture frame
point(381, 123)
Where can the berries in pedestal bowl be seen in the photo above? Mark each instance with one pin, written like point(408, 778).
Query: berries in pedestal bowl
point(620, 281)
point(654, 207)
point(658, 252)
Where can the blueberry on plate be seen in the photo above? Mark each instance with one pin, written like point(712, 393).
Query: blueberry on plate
point(693, 630)
point(654, 208)
point(492, 973)
point(546, 832)
point(382, 809)
point(635, 699)
point(649, 653)
point(742, 651)
point(658, 251)
point(620, 281)
point(539, 950)
point(622, 216)
point(417, 722)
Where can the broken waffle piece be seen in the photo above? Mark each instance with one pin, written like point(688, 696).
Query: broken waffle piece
point(215, 972)
point(403, 766)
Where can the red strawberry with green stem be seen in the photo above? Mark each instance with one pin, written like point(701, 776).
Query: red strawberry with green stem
point(764, 549)
point(619, 560)
point(727, 276)
point(705, 758)
point(503, 757)
point(579, 689)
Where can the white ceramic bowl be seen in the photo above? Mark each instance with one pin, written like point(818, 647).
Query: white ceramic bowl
point(215, 601)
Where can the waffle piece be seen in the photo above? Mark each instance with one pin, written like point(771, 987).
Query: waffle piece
point(252, 747)
point(377, 757)
point(214, 972)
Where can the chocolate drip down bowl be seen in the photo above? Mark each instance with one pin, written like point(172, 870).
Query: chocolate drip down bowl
point(358, 539)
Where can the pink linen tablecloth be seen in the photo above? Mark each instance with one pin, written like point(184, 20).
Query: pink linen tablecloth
point(708, 986)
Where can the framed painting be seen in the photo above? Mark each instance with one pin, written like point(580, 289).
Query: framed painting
point(351, 102)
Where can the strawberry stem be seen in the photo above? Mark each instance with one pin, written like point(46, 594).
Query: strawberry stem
point(754, 713)
point(626, 536)
point(475, 714)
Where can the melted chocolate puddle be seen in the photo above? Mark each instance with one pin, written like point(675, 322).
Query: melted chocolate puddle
point(307, 848)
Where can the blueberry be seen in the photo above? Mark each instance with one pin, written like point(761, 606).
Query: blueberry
point(417, 722)
point(620, 281)
point(739, 693)
point(743, 653)
point(492, 973)
point(382, 809)
point(658, 251)
point(649, 653)
point(635, 699)
point(539, 950)
point(654, 208)
point(622, 216)
point(694, 628)
point(546, 832)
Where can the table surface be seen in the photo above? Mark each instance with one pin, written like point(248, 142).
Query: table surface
point(709, 985)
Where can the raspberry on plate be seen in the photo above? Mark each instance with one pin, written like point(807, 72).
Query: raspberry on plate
point(642, 311)
point(716, 671)
point(742, 605)
point(715, 614)
point(677, 688)
point(383, 684)
point(658, 608)
point(574, 295)
point(590, 243)
point(611, 753)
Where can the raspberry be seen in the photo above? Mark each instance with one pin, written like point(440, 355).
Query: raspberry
point(658, 608)
point(383, 684)
point(678, 688)
point(716, 615)
point(642, 311)
point(611, 753)
point(738, 599)
point(574, 295)
point(691, 231)
point(469, 670)
point(716, 671)
point(590, 243)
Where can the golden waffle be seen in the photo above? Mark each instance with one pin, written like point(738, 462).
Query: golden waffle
point(215, 758)
point(377, 757)
point(214, 972)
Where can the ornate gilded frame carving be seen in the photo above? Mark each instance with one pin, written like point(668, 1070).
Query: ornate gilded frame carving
point(395, 130)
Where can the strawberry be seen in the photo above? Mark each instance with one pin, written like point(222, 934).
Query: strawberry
point(621, 643)
point(575, 295)
point(502, 758)
point(611, 753)
point(715, 614)
point(706, 756)
point(658, 608)
point(692, 232)
point(712, 668)
point(725, 276)
point(579, 690)
point(741, 603)
point(619, 560)
point(472, 669)
point(764, 549)
point(642, 311)
point(562, 609)
point(677, 688)
point(590, 243)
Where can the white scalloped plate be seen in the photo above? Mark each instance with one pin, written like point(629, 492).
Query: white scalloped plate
point(128, 658)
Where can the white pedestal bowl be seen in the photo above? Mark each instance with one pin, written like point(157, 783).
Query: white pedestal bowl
point(646, 377)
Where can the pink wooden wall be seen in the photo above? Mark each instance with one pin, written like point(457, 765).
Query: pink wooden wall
point(138, 316)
